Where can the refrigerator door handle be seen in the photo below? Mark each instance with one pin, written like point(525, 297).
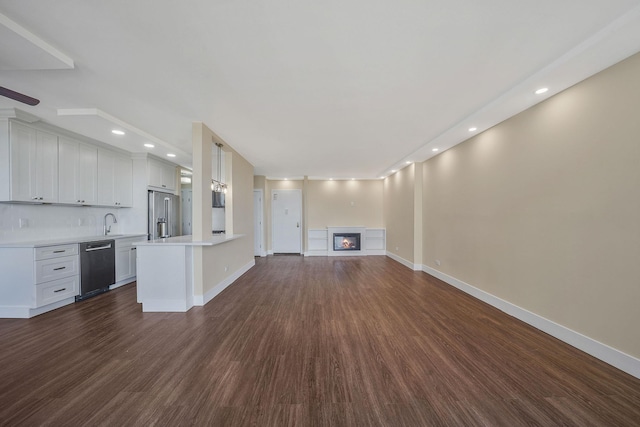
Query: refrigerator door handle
point(167, 212)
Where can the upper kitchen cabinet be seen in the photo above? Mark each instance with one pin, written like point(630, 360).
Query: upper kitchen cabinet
point(33, 165)
point(78, 175)
point(162, 175)
point(115, 186)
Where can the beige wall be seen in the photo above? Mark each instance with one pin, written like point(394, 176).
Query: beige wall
point(222, 260)
point(543, 210)
point(328, 203)
point(344, 203)
point(213, 264)
point(399, 213)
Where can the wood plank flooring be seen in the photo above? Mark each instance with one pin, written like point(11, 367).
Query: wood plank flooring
point(352, 341)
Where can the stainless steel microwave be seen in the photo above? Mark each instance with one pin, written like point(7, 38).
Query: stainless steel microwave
point(218, 199)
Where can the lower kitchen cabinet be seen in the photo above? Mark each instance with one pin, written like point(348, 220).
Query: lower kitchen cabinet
point(38, 279)
point(126, 260)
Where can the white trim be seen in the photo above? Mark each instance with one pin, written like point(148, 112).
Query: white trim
point(316, 253)
point(118, 122)
point(24, 312)
point(14, 312)
point(610, 355)
point(375, 252)
point(408, 264)
point(200, 300)
point(38, 42)
point(165, 305)
point(122, 283)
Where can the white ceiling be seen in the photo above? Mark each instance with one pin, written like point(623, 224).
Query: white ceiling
point(349, 88)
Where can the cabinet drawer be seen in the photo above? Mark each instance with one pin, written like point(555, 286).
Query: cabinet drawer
point(56, 251)
point(56, 268)
point(50, 292)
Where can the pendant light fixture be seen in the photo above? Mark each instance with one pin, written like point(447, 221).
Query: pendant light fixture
point(217, 185)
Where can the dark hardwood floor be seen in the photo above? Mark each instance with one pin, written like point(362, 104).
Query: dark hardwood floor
point(304, 342)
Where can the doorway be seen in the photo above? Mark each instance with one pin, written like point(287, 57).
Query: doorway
point(258, 231)
point(286, 220)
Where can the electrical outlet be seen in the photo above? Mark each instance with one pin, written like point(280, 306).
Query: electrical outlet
point(226, 268)
point(23, 222)
point(438, 262)
point(397, 248)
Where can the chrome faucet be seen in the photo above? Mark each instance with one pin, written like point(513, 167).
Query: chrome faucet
point(115, 221)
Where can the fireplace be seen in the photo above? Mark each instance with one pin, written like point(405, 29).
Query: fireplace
point(346, 241)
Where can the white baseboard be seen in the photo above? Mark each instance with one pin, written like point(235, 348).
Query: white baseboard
point(316, 253)
point(122, 283)
point(375, 252)
point(607, 354)
point(409, 264)
point(11, 312)
point(200, 300)
point(165, 306)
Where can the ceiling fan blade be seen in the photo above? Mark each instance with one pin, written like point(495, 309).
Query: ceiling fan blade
point(18, 96)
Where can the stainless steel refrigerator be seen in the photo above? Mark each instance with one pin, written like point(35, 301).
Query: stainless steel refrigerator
point(164, 215)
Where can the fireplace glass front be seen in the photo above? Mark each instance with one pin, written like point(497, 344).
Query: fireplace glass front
point(346, 241)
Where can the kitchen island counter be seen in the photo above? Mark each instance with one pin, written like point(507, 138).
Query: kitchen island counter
point(189, 241)
point(165, 271)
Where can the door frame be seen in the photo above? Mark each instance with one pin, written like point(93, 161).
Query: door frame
point(258, 214)
point(296, 190)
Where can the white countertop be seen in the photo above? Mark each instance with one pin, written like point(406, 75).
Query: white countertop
point(189, 241)
point(67, 240)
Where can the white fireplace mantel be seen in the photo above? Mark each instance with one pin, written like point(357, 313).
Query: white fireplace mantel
point(320, 241)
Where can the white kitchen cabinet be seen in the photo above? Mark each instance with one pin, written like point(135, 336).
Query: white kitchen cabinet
point(115, 186)
point(126, 259)
point(78, 176)
point(161, 175)
point(34, 165)
point(36, 280)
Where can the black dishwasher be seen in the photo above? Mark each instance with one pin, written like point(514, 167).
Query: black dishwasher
point(97, 267)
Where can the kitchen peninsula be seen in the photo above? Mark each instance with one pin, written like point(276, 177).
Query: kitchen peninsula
point(165, 269)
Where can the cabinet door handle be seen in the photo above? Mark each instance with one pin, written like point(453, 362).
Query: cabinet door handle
point(59, 251)
point(133, 249)
point(59, 268)
point(60, 290)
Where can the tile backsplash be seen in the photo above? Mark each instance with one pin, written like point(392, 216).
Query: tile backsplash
point(23, 222)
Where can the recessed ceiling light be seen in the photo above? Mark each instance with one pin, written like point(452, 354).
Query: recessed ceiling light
point(434, 149)
point(408, 162)
point(473, 129)
point(171, 155)
point(149, 145)
point(393, 171)
point(117, 132)
point(541, 90)
point(330, 179)
point(286, 179)
point(353, 179)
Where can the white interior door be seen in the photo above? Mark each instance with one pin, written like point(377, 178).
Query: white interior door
point(286, 219)
point(258, 232)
